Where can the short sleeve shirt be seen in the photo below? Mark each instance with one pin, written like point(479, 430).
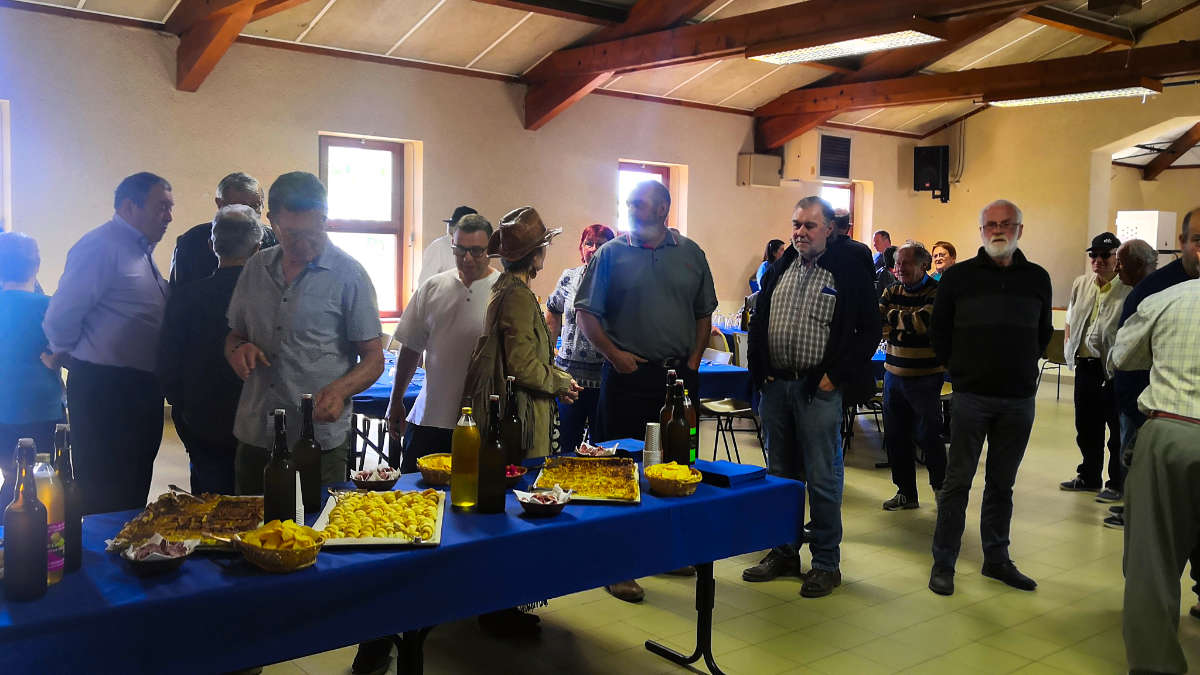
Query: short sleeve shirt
point(444, 319)
point(307, 329)
point(577, 355)
point(649, 299)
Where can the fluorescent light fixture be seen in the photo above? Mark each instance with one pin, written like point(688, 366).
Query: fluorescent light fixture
point(863, 45)
point(1141, 87)
point(861, 40)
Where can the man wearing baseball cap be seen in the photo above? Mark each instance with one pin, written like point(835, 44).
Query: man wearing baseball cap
point(1092, 316)
point(438, 256)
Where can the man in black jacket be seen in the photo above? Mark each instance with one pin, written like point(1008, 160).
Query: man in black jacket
point(198, 382)
point(193, 258)
point(815, 327)
point(991, 324)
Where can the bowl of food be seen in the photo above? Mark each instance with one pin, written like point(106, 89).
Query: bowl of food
point(435, 468)
point(673, 480)
point(378, 479)
point(156, 555)
point(280, 547)
point(513, 475)
point(543, 504)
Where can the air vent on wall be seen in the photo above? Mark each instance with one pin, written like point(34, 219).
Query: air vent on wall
point(835, 158)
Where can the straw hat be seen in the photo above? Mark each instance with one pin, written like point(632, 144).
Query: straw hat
point(521, 232)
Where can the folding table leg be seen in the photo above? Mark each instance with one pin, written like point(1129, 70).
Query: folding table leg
point(706, 593)
point(410, 651)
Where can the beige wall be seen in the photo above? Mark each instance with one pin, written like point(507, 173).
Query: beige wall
point(92, 103)
point(1174, 190)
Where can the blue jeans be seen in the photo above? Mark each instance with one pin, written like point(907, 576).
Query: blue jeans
point(912, 407)
point(574, 417)
point(1005, 423)
point(804, 442)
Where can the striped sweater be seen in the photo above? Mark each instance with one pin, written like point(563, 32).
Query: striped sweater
point(906, 317)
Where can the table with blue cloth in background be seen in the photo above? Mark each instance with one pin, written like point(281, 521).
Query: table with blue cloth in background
point(217, 613)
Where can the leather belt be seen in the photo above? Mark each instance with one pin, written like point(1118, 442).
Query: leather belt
point(1172, 416)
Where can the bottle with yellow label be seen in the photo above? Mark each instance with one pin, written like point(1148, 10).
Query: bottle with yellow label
point(464, 463)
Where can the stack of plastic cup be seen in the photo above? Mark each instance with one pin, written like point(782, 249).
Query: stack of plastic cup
point(652, 451)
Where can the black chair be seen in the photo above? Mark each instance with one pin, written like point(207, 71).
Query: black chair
point(361, 441)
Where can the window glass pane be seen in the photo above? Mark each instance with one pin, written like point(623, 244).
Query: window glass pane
point(360, 184)
point(377, 253)
point(627, 179)
point(838, 197)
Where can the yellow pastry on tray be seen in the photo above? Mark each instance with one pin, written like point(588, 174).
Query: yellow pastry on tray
point(601, 478)
point(384, 515)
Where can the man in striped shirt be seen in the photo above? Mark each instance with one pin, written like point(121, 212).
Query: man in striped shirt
point(912, 381)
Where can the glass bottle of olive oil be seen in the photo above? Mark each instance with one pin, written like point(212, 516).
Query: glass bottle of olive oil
point(464, 463)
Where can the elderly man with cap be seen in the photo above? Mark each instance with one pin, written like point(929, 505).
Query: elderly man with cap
point(1092, 316)
point(438, 256)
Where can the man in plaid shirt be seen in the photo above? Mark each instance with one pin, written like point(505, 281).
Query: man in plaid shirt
point(815, 327)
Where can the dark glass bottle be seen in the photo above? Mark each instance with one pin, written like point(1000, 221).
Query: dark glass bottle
point(492, 462)
point(677, 434)
point(279, 477)
point(72, 498)
point(512, 430)
point(689, 413)
point(25, 536)
point(664, 414)
point(307, 454)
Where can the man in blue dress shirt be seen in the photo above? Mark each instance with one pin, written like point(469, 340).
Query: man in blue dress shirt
point(103, 324)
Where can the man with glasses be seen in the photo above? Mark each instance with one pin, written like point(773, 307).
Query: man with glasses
point(1093, 314)
point(443, 319)
point(991, 323)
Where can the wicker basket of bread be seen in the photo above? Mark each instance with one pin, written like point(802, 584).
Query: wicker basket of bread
point(280, 547)
point(435, 468)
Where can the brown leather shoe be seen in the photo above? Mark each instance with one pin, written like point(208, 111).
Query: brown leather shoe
point(689, 571)
point(629, 591)
point(820, 583)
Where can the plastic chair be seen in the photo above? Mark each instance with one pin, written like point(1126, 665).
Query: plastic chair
point(725, 411)
point(1054, 359)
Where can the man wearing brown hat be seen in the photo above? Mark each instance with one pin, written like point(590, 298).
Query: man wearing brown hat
point(1092, 317)
point(438, 256)
point(646, 304)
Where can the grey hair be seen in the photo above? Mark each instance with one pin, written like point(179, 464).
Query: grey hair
point(1003, 202)
point(826, 208)
point(922, 255)
point(1141, 252)
point(236, 232)
point(239, 181)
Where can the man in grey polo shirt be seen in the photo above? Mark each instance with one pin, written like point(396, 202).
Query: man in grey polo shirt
point(646, 303)
point(303, 319)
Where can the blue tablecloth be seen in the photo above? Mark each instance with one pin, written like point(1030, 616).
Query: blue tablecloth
point(716, 381)
point(877, 361)
point(218, 613)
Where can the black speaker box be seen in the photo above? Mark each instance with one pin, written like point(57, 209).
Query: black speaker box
point(931, 170)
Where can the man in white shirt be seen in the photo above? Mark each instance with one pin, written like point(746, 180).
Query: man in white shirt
point(438, 256)
point(444, 319)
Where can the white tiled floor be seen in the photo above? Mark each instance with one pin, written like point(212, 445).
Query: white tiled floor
point(881, 620)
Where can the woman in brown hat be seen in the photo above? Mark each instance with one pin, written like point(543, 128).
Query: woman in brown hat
point(518, 342)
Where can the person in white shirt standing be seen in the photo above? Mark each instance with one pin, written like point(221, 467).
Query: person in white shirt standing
point(438, 256)
point(444, 319)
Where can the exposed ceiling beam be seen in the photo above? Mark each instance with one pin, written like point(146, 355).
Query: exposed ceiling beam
point(1167, 157)
point(545, 100)
point(775, 131)
point(814, 21)
point(1167, 17)
point(598, 13)
point(1081, 25)
point(206, 29)
point(1035, 78)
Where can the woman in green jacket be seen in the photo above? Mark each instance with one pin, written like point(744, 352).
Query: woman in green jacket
point(521, 339)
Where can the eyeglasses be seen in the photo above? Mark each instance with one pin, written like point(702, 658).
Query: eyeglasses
point(1103, 255)
point(475, 251)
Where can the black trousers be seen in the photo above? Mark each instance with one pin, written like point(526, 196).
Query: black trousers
point(628, 402)
point(1096, 408)
point(116, 427)
point(420, 441)
point(211, 460)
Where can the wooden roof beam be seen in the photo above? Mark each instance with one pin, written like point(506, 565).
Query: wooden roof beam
point(206, 29)
point(1049, 15)
point(576, 10)
point(1167, 157)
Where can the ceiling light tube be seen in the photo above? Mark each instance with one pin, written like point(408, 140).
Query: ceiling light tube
point(1132, 87)
point(848, 42)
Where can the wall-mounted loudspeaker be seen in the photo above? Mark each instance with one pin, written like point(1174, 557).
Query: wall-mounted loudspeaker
point(931, 170)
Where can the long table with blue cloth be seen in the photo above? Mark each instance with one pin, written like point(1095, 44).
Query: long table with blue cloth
point(218, 613)
point(716, 381)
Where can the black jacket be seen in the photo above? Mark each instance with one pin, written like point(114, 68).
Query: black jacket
point(195, 376)
point(194, 259)
point(991, 324)
point(854, 332)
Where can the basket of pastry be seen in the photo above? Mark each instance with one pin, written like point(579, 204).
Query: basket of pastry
point(435, 468)
point(280, 547)
point(592, 479)
point(184, 517)
point(673, 480)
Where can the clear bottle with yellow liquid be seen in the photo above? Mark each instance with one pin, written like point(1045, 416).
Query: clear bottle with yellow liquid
point(50, 493)
point(464, 463)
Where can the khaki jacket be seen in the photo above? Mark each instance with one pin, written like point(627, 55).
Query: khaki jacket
point(1101, 333)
